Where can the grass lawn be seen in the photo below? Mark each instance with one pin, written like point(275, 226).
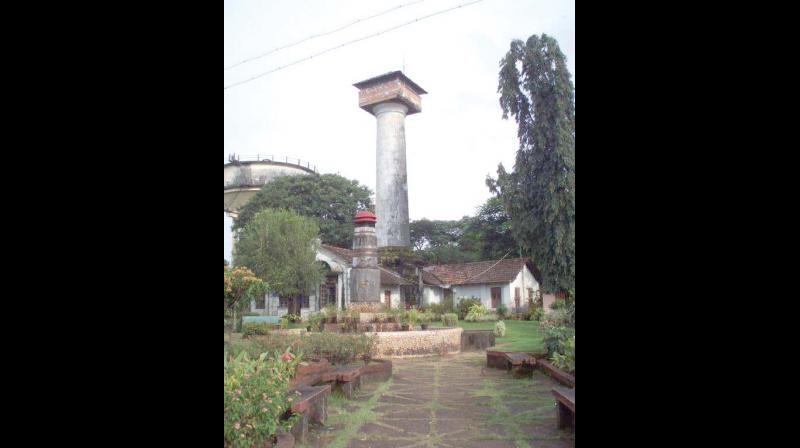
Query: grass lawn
point(521, 335)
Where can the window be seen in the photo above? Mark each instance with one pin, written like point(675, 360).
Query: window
point(283, 302)
point(260, 303)
point(304, 302)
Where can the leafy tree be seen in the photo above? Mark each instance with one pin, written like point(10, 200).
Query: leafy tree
point(331, 199)
point(539, 194)
point(488, 233)
point(280, 247)
point(241, 286)
point(440, 242)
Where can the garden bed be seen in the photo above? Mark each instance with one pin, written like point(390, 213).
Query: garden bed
point(434, 341)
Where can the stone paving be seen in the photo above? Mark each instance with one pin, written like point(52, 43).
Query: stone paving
point(451, 401)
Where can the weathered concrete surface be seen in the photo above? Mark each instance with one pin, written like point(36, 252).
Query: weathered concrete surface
point(450, 401)
point(365, 276)
point(391, 191)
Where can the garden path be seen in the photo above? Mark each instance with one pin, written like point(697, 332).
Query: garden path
point(451, 401)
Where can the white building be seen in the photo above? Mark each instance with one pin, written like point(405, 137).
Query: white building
point(335, 290)
point(511, 282)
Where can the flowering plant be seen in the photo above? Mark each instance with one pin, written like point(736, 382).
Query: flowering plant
point(256, 397)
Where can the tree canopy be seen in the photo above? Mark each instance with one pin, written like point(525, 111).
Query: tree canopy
point(329, 198)
point(485, 236)
point(539, 194)
point(280, 247)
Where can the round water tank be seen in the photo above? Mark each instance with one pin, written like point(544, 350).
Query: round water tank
point(244, 178)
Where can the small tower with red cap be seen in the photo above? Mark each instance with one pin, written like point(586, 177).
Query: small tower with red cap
point(365, 276)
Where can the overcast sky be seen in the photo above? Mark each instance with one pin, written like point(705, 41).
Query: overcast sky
point(310, 110)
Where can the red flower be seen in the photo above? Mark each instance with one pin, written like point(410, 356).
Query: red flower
point(287, 357)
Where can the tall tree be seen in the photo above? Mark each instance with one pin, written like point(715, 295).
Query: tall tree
point(488, 233)
point(280, 247)
point(539, 194)
point(331, 199)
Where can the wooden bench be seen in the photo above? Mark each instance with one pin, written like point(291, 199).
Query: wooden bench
point(310, 402)
point(566, 406)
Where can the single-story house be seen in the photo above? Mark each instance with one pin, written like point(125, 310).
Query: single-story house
point(335, 289)
point(511, 281)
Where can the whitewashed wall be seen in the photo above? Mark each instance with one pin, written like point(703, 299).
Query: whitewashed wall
point(431, 295)
point(396, 299)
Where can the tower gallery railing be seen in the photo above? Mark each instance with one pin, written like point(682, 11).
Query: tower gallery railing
point(237, 158)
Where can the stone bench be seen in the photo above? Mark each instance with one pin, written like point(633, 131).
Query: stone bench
point(476, 340)
point(348, 379)
point(311, 404)
point(518, 361)
point(566, 407)
point(562, 377)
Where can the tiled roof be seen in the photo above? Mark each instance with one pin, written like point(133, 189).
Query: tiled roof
point(345, 254)
point(388, 277)
point(493, 271)
point(429, 278)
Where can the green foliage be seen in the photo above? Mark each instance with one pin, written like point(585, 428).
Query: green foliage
point(256, 397)
point(315, 321)
point(293, 318)
point(330, 199)
point(539, 194)
point(475, 312)
point(280, 247)
point(338, 348)
point(447, 305)
point(564, 357)
point(257, 328)
point(241, 286)
point(412, 316)
point(536, 313)
point(502, 311)
point(500, 329)
point(450, 319)
point(557, 326)
point(465, 304)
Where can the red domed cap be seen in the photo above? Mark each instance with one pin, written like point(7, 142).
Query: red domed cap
point(365, 217)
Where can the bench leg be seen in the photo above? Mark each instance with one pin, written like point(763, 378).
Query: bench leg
point(300, 428)
point(565, 417)
point(347, 389)
point(319, 413)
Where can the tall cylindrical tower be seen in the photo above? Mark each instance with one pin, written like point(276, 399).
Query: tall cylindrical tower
point(390, 98)
point(365, 277)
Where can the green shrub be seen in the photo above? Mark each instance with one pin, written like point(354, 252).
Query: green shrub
point(337, 348)
point(450, 319)
point(412, 317)
point(500, 329)
point(256, 397)
point(536, 313)
point(502, 311)
point(436, 309)
point(315, 321)
point(564, 358)
point(476, 312)
point(257, 328)
point(465, 304)
point(447, 305)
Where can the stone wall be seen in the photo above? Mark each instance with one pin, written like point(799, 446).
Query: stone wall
point(401, 344)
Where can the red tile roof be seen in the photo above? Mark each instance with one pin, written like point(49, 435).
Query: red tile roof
point(493, 271)
point(388, 277)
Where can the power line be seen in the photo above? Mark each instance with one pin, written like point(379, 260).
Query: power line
point(348, 43)
point(314, 36)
